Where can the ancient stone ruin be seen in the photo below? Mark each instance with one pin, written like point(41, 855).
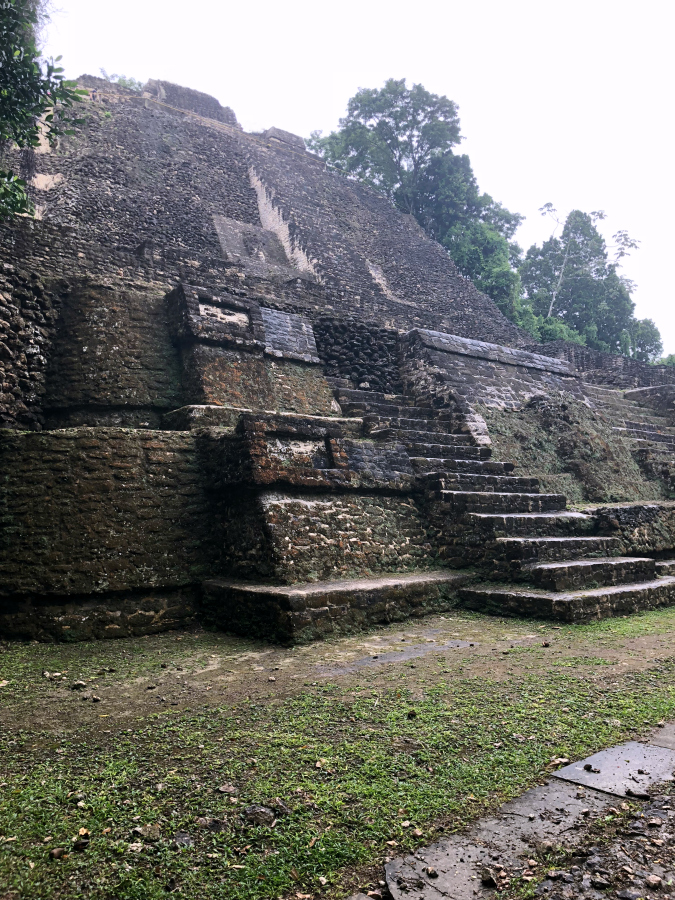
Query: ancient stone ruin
point(241, 389)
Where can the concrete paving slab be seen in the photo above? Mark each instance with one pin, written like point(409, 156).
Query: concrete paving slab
point(453, 867)
point(629, 769)
point(664, 737)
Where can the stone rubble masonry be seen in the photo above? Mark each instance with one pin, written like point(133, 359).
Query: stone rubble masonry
point(362, 352)
point(28, 312)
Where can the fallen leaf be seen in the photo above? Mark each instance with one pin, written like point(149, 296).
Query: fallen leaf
point(4, 683)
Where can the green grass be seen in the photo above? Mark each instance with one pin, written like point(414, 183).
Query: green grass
point(471, 744)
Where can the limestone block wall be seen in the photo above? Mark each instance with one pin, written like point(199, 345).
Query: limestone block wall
point(98, 510)
point(113, 360)
point(609, 369)
point(215, 375)
point(476, 372)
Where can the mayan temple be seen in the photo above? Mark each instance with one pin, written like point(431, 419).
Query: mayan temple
point(240, 389)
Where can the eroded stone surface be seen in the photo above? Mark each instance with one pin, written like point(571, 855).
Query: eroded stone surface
point(548, 812)
point(627, 770)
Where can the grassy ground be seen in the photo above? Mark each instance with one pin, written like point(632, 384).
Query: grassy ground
point(373, 757)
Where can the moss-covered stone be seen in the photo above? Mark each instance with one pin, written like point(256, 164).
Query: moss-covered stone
point(571, 449)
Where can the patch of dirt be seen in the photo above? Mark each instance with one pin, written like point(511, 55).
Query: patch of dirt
point(126, 680)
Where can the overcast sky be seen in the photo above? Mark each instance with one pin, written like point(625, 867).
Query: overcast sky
point(560, 102)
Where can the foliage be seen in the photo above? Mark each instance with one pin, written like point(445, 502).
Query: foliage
point(399, 140)
point(474, 742)
point(132, 84)
point(390, 136)
point(571, 280)
point(667, 360)
point(642, 340)
point(33, 95)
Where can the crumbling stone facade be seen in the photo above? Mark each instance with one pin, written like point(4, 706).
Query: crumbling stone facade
point(239, 388)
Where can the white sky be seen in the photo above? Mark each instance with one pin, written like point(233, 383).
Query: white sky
point(560, 102)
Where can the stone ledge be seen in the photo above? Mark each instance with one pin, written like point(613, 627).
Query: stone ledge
point(572, 606)
point(452, 343)
point(205, 416)
point(304, 612)
point(85, 618)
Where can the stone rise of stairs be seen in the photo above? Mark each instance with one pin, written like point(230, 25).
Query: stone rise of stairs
point(643, 427)
point(538, 557)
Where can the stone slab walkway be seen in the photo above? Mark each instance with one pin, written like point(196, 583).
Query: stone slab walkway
point(482, 860)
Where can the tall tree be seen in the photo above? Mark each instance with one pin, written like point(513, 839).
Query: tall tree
point(400, 141)
point(572, 279)
point(33, 95)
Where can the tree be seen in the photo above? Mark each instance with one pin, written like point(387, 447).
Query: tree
point(572, 279)
point(33, 96)
point(642, 341)
point(390, 136)
point(400, 141)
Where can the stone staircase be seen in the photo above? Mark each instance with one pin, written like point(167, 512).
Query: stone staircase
point(644, 428)
point(538, 557)
point(554, 565)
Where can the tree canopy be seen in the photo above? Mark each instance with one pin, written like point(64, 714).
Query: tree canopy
point(33, 95)
point(571, 280)
point(402, 141)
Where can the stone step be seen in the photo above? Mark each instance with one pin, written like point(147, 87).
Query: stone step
point(352, 395)
point(665, 566)
point(553, 549)
point(469, 466)
point(570, 606)
point(459, 453)
point(461, 502)
point(590, 388)
point(466, 481)
point(490, 526)
point(651, 424)
point(430, 443)
point(646, 434)
point(421, 426)
point(383, 410)
point(579, 574)
point(304, 612)
point(652, 444)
